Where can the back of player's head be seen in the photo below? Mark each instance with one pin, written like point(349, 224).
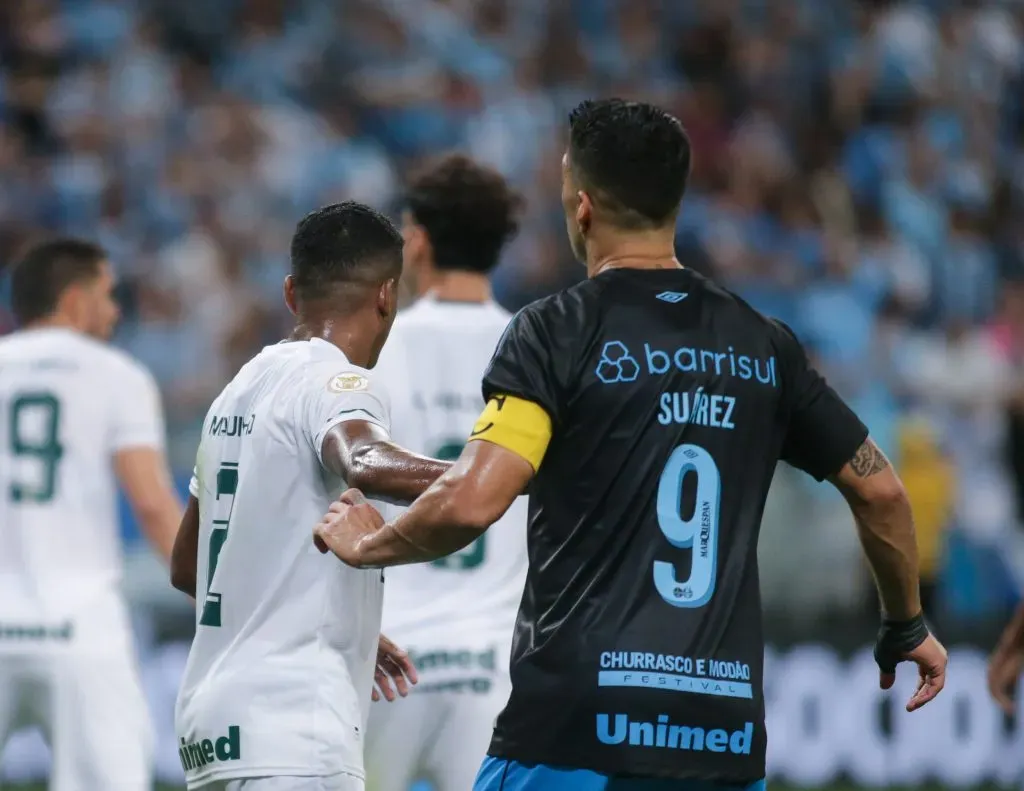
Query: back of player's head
point(45, 272)
point(343, 244)
point(633, 160)
point(467, 210)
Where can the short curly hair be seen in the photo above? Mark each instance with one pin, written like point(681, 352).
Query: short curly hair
point(468, 210)
point(343, 243)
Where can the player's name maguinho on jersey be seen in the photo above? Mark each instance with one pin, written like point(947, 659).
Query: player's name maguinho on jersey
point(197, 754)
point(231, 425)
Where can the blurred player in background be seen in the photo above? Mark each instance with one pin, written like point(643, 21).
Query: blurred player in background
point(456, 615)
point(277, 686)
point(76, 418)
point(1007, 664)
point(646, 408)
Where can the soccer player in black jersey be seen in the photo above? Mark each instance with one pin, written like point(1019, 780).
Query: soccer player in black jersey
point(644, 410)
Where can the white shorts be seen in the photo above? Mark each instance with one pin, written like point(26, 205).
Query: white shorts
point(92, 712)
point(339, 782)
point(441, 732)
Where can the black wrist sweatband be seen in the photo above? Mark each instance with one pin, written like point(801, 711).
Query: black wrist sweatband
point(896, 639)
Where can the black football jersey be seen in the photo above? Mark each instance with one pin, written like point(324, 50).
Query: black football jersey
point(638, 648)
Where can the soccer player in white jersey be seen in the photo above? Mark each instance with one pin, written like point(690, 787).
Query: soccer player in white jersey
point(455, 616)
point(278, 681)
point(77, 417)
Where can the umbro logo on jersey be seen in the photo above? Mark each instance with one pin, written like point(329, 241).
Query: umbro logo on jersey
point(671, 296)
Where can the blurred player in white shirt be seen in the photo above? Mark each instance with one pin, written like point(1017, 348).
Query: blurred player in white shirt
point(76, 418)
point(278, 681)
point(455, 616)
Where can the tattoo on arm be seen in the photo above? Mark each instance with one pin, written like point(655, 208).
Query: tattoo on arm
point(868, 460)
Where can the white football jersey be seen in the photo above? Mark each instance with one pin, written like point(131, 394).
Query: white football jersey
point(280, 672)
point(68, 403)
point(432, 366)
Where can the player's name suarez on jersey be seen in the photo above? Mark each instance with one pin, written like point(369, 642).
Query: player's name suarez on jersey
point(195, 755)
point(618, 363)
point(231, 425)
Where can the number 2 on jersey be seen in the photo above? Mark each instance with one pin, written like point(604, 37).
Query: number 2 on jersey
point(699, 532)
point(42, 446)
point(224, 503)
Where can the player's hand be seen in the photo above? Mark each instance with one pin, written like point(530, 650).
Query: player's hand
point(393, 668)
point(930, 658)
point(1004, 670)
point(348, 519)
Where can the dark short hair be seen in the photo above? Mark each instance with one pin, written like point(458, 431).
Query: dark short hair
point(42, 274)
point(343, 243)
point(468, 210)
point(632, 157)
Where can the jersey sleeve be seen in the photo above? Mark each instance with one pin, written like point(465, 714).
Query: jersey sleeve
point(822, 433)
point(137, 413)
point(522, 387)
point(338, 396)
point(525, 364)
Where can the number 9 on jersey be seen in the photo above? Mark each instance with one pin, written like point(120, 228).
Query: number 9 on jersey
point(699, 532)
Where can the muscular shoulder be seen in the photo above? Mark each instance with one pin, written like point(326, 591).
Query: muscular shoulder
point(539, 352)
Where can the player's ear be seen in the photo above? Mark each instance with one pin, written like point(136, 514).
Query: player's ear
point(387, 298)
point(584, 211)
point(73, 303)
point(289, 295)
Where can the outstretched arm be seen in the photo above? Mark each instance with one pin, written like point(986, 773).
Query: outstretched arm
point(450, 515)
point(362, 453)
point(505, 449)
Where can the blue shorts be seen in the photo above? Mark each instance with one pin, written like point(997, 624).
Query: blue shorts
point(497, 774)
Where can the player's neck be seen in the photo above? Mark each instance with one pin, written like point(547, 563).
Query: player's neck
point(55, 322)
point(632, 260)
point(350, 336)
point(638, 250)
point(446, 286)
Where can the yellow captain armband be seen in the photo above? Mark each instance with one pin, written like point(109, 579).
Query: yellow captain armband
point(516, 424)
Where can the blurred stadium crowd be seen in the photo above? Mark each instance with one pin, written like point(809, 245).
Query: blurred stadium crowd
point(859, 173)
